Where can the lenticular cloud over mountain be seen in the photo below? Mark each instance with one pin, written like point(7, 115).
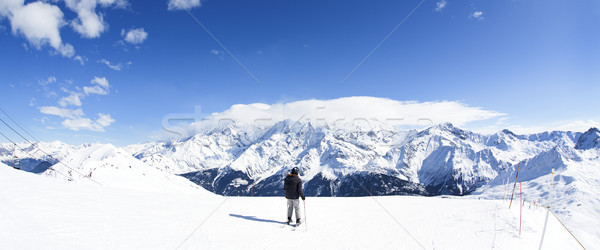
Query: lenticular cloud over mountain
point(349, 110)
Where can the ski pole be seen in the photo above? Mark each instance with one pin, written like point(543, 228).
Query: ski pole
point(305, 221)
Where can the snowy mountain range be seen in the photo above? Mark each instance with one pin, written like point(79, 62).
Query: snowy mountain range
point(343, 160)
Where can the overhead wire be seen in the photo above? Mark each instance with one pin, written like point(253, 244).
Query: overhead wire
point(46, 153)
point(17, 145)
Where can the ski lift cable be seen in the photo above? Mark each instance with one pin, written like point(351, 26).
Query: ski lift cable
point(17, 146)
point(15, 122)
point(61, 162)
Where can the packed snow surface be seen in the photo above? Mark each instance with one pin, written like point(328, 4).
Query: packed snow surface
point(49, 213)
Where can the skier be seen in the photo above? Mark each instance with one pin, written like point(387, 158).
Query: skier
point(293, 191)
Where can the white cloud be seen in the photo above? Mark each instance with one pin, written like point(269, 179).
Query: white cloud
point(72, 99)
point(540, 127)
point(440, 5)
point(117, 3)
point(80, 59)
point(477, 15)
point(183, 4)
point(100, 88)
point(116, 67)
point(105, 120)
point(101, 81)
point(82, 123)
point(88, 23)
point(62, 112)
point(50, 79)
point(39, 23)
point(214, 51)
point(7, 6)
point(77, 124)
point(343, 111)
point(94, 90)
point(576, 126)
point(75, 119)
point(135, 36)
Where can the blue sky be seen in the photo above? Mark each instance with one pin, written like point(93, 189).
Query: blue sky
point(535, 62)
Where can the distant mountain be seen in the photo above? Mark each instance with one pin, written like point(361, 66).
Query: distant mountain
point(36, 157)
point(341, 160)
point(111, 166)
point(349, 160)
point(588, 140)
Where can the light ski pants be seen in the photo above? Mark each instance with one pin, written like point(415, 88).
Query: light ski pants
point(293, 204)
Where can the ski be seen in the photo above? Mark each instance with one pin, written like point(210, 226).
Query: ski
point(296, 226)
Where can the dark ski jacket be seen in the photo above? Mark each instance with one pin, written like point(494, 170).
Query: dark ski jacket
point(293, 187)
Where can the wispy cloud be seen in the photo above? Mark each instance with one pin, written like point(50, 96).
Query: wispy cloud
point(75, 119)
point(50, 79)
point(117, 67)
point(100, 86)
point(183, 4)
point(573, 125)
point(72, 99)
point(82, 123)
point(101, 81)
point(477, 15)
point(62, 112)
point(440, 5)
point(80, 59)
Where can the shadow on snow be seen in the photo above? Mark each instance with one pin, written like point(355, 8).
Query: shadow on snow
point(253, 218)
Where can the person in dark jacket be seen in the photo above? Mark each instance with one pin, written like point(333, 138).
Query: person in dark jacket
point(293, 191)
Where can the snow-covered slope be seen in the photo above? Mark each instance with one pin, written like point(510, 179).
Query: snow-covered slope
point(572, 191)
point(443, 159)
point(35, 157)
point(111, 166)
point(356, 160)
point(46, 213)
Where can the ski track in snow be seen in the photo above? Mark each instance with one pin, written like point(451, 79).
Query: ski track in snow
point(45, 213)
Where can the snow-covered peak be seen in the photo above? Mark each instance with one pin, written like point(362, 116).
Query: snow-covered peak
point(588, 140)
